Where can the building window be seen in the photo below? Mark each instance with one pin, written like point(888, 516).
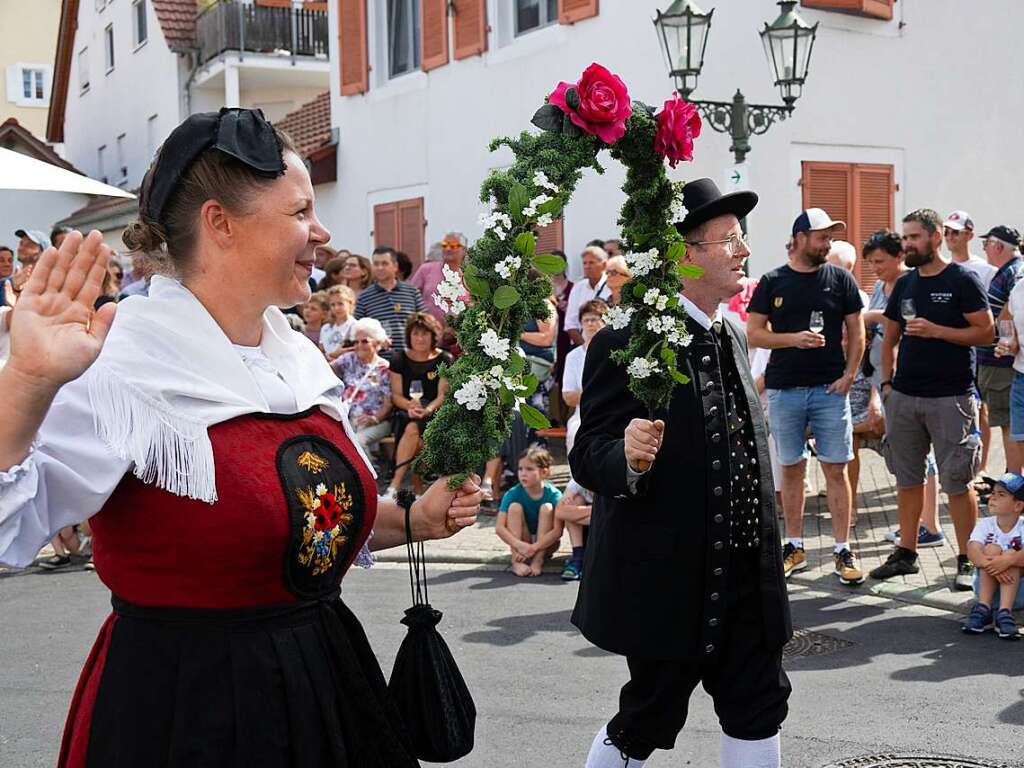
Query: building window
point(101, 163)
point(139, 34)
point(108, 47)
point(403, 36)
point(400, 225)
point(151, 137)
point(123, 168)
point(83, 69)
point(534, 14)
point(32, 84)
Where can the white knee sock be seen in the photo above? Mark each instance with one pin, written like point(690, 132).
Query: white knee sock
point(739, 753)
point(604, 754)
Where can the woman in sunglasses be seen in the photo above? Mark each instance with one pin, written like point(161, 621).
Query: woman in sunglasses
point(208, 445)
point(617, 273)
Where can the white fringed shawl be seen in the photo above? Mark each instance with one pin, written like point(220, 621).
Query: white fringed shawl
point(168, 372)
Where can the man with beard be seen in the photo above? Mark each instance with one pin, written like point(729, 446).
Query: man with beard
point(799, 311)
point(940, 311)
point(683, 567)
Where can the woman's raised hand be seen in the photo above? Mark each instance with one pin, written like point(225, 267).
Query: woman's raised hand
point(55, 333)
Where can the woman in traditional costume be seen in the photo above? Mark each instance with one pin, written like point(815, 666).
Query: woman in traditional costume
point(208, 443)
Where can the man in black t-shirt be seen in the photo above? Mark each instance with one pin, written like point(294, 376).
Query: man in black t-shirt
point(939, 310)
point(809, 304)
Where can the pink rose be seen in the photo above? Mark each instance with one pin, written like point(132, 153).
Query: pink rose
point(678, 125)
point(598, 104)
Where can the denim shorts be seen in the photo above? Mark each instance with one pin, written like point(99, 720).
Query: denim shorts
point(827, 414)
point(1017, 409)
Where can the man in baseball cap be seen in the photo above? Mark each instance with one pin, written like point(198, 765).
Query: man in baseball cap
point(33, 243)
point(958, 231)
point(816, 220)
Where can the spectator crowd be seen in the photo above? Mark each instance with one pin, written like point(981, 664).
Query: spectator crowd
point(922, 367)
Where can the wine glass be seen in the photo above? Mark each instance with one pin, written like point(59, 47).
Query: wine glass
point(1005, 332)
point(817, 322)
point(908, 309)
point(416, 392)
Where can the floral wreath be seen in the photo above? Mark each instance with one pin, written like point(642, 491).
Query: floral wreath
point(507, 279)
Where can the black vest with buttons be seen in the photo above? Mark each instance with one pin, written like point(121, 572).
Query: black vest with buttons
point(658, 559)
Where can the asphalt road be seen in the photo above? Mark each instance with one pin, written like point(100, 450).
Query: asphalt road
point(905, 680)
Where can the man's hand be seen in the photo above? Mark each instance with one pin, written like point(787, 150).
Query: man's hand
point(922, 328)
point(807, 340)
point(642, 442)
point(841, 386)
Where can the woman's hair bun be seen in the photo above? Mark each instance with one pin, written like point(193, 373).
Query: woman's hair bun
point(143, 236)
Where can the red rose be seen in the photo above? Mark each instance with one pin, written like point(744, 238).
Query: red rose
point(678, 125)
point(328, 514)
point(603, 103)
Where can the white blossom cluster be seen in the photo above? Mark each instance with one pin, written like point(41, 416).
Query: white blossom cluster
point(498, 222)
point(618, 317)
point(473, 394)
point(642, 263)
point(449, 292)
point(678, 211)
point(655, 298)
point(539, 200)
point(674, 331)
point(541, 180)
point(641, 367)
point(508, 265)
point(493, 345)
point(545, 219)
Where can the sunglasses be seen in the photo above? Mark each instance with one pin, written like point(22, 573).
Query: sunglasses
point(118, 275)
point(616, 273)
point(451, 245)
point(361, 342)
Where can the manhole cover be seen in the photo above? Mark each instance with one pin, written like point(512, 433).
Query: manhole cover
point(913, 761)
point(808, 643)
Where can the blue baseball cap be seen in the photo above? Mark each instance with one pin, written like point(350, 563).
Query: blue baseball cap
point(815, 219)
point(1011, 481)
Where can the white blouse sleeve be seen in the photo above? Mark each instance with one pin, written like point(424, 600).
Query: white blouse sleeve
point(66, 479)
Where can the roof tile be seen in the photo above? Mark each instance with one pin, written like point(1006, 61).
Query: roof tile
point(310, 125)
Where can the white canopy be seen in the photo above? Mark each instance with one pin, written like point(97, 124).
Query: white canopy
point(18, 171)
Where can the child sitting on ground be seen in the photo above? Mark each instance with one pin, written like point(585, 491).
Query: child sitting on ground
point(994, 547)
point(336, 334)
point(573, 511)
point(526, 516)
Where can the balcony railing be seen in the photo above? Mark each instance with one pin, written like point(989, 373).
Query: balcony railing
point(235, 26)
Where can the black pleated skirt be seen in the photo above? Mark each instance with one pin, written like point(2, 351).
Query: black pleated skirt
point(279, 687)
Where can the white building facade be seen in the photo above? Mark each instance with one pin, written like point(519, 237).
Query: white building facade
point(920, 109)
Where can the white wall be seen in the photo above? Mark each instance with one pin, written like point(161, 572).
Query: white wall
point(144, 82)
point(34, 210)
point(939, 98)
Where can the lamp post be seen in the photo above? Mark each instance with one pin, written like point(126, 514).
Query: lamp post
point(788, 42)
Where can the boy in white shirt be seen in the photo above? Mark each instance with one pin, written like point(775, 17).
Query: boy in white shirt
point(1000, 533)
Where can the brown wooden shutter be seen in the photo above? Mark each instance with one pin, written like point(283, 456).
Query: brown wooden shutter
point(873, 188)
point(470, 26)
point(410, 230)
point(861, 195)
point(385, 226)
point(275, 3)
point(571, 11)
point(352, 47)
point(550, 238)
point(434, 33)
point(315, 5)
point(876, 9)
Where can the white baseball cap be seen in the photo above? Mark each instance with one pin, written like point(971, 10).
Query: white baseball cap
point(814, 220)
point(959, 220)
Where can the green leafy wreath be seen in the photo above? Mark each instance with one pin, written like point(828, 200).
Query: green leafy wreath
point(507, 279)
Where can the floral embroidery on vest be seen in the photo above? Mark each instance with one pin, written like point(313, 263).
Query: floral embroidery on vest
point(327, 521)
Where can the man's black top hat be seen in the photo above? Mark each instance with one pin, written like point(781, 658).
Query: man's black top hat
point(704, 201)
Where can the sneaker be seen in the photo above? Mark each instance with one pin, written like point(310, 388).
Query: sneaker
point(900, 563)
point(55, 563)
point(487, 489)
point(846, 568)
point(90, 566)
point(793, 559)
point(979, 619)
point(925, 538)
point(571, 571)
point(964, 581)
point(1006, 627)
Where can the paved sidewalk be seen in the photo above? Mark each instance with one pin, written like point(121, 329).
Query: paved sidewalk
point(876, 515)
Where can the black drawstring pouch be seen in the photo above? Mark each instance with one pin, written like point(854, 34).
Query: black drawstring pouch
point(426, 685)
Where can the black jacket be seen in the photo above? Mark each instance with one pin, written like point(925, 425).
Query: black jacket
point(656, 565)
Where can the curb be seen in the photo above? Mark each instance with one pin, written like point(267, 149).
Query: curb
point(933, 597)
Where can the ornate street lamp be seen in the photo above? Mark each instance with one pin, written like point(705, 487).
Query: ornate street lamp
point(684, 36)
point(788, 42)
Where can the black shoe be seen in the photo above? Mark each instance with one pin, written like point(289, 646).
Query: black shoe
point(964, 579)
point(55, 563)
point(900, 563)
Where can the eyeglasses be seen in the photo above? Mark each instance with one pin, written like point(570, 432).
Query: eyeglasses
point(616, 273)
point(732, 243)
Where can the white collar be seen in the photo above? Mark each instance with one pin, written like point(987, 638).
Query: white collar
point(168, 372)
point(699, 315)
